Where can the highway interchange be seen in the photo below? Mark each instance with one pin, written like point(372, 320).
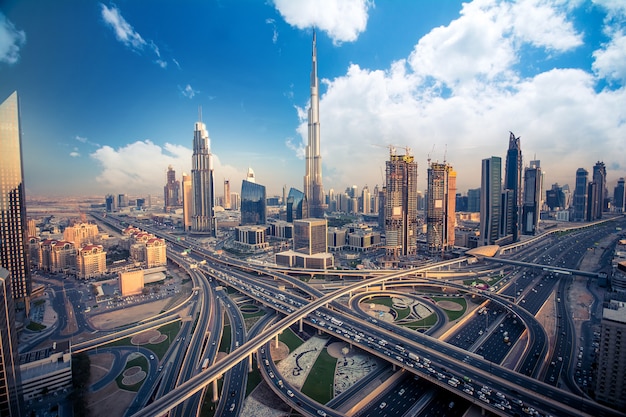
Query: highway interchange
point(474, 351)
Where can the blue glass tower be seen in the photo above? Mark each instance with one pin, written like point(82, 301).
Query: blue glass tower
point(253, 204)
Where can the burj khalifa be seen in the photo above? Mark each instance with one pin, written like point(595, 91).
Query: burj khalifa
point(313, 188)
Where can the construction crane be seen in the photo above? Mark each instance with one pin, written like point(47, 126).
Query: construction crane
point(392, 148)
point(430, 153)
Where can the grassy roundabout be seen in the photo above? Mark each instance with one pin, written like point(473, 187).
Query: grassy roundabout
point(135, 372)
point(319, 383)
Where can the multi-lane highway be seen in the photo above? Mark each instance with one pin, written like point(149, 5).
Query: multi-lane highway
point(456, 362)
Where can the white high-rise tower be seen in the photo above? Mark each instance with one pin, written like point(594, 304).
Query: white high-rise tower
point(201, 181)
point(313, 188)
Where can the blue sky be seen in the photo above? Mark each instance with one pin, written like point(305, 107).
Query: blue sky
point(109, 92)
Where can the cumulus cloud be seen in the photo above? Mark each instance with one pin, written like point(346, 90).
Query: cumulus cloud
point(85, 140)
point(141, 165)
point(125, 33)
point(459, 90)
point(342, 20)
point(11, 40)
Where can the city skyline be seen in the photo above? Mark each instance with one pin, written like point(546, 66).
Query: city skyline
point(109, 111)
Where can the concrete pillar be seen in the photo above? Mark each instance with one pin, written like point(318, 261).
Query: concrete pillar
point(214, 385)
point(250, 369)
point(276, 343)
point(300, 326)
point(382, 285)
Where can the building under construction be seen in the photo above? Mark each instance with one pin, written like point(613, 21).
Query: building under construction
point(440, 211)
point(401, 223)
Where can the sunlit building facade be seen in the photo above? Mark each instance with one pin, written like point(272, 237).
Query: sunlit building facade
point(171, 191)
point(91, 262)
point(13, 220)
point(440, 218)
point(187, 203)
point(81, 234)
point(10, 381)
point(401, 222)
point(490, 200)
point(202, 217)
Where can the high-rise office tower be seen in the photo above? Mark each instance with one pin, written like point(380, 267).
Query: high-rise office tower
point(366, 197)
point(310, 236)
point(400, 206)
point(187, 202)
point(171, 190)
point(440, 207)
point(313, 188)
point(490, 200)
point(473, 200)
point(297, 207)
point(597, 199)
point(202, 181)
point(253, 204)
point(532, 199)
point(110, 203)
point(555, 198)
point(10, 382)
point(610, 381)
point(618, 196)
point(226, 195)
point(375, 199)
point(13, 220)
point(122, 200)
point(580, 195)
point(513, 181)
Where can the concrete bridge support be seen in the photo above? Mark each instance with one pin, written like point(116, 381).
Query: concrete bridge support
point(215, 393)
point(250, 366)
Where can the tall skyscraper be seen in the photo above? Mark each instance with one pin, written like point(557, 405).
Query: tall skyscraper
point(110, 203)
point(610, 383)
point(440, 209)
point(513, 181)
point(490, 200)
point(13, 221)
point(618, 196)
point(313, 188)
point(9, 359)
point(400, 206)
point(367, 203)
point(597, 200)
point(202, 181)
point(187, 202)
point(555, 198)
point(171, 190)
point(580, 195)
point(226, 195)
point(532, 199)
point(253, 204)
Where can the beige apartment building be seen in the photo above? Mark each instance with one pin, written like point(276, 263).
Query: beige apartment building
point(131, 282)
point(81, 234)
point(91, 262)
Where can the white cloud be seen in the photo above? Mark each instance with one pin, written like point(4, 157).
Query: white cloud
point(274, 31)
point(11, 40)
point(124, 32)
point(342, 20)
point(459, 90)
point(610, 62)
point(141, 166)
point(188, 91)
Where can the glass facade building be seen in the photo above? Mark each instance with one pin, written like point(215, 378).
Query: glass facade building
point(253, 204)
point(13, 249)
point(297, 207)
point(10, 403)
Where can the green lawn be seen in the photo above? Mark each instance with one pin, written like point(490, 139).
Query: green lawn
point(140, 361)
point(289, 338)
point(453, 315)
point(171, 330)
point(319, 383)
point(424, 323)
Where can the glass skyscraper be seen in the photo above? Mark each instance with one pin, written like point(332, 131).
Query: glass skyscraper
point(580, 195)
point(490, 200)
point(13, 249)
point(9, 358)
point(201, 182)
point(513, 182)
point(297, 207)
point(253, 204)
